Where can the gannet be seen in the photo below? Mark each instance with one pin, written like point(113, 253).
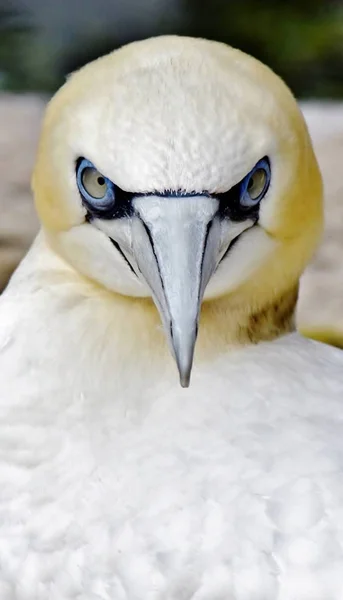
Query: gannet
point(174, 177)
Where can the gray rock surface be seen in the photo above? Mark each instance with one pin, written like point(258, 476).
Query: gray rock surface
point(321, 291)
point(20, 117)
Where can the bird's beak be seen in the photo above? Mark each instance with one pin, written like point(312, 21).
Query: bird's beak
point(176, 246)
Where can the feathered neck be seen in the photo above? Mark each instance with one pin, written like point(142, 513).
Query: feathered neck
point(225, 322)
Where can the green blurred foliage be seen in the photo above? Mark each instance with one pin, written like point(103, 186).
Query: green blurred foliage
point(301, 40)
point(13, 38)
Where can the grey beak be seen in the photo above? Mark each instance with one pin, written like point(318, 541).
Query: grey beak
point(176, 244)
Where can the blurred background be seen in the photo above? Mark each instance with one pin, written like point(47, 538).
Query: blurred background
point(41, 41)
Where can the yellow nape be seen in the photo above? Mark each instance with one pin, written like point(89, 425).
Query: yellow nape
point(325, 335)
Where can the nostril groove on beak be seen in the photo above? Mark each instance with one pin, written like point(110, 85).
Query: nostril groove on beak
point(116, 245)
point(233, 242)
point(148, 232)
point(208, 229)
point(230, 246)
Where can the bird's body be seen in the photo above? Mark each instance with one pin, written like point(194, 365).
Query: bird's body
point(133, 488)
point(116, 483)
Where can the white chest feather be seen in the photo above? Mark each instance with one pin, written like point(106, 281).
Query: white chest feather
point(116, 484)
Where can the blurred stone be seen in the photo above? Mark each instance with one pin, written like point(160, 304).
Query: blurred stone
point(321, 291)
point(321, 295)
point(20, 117)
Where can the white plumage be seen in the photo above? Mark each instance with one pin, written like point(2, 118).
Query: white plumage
point(116, 483)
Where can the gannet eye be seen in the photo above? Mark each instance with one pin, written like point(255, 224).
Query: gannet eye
point(254, 186)
point(97, 191)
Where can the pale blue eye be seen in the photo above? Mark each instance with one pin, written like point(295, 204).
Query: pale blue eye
point(255, 185)
point(97, 191)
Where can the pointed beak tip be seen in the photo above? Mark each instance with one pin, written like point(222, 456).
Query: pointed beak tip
point(185, 372)
point(185, 379)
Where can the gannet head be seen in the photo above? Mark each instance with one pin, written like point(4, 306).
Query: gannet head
point(180, 169)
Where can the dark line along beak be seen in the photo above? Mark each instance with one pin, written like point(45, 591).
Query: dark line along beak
point(176, 244)
point(123, 255)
